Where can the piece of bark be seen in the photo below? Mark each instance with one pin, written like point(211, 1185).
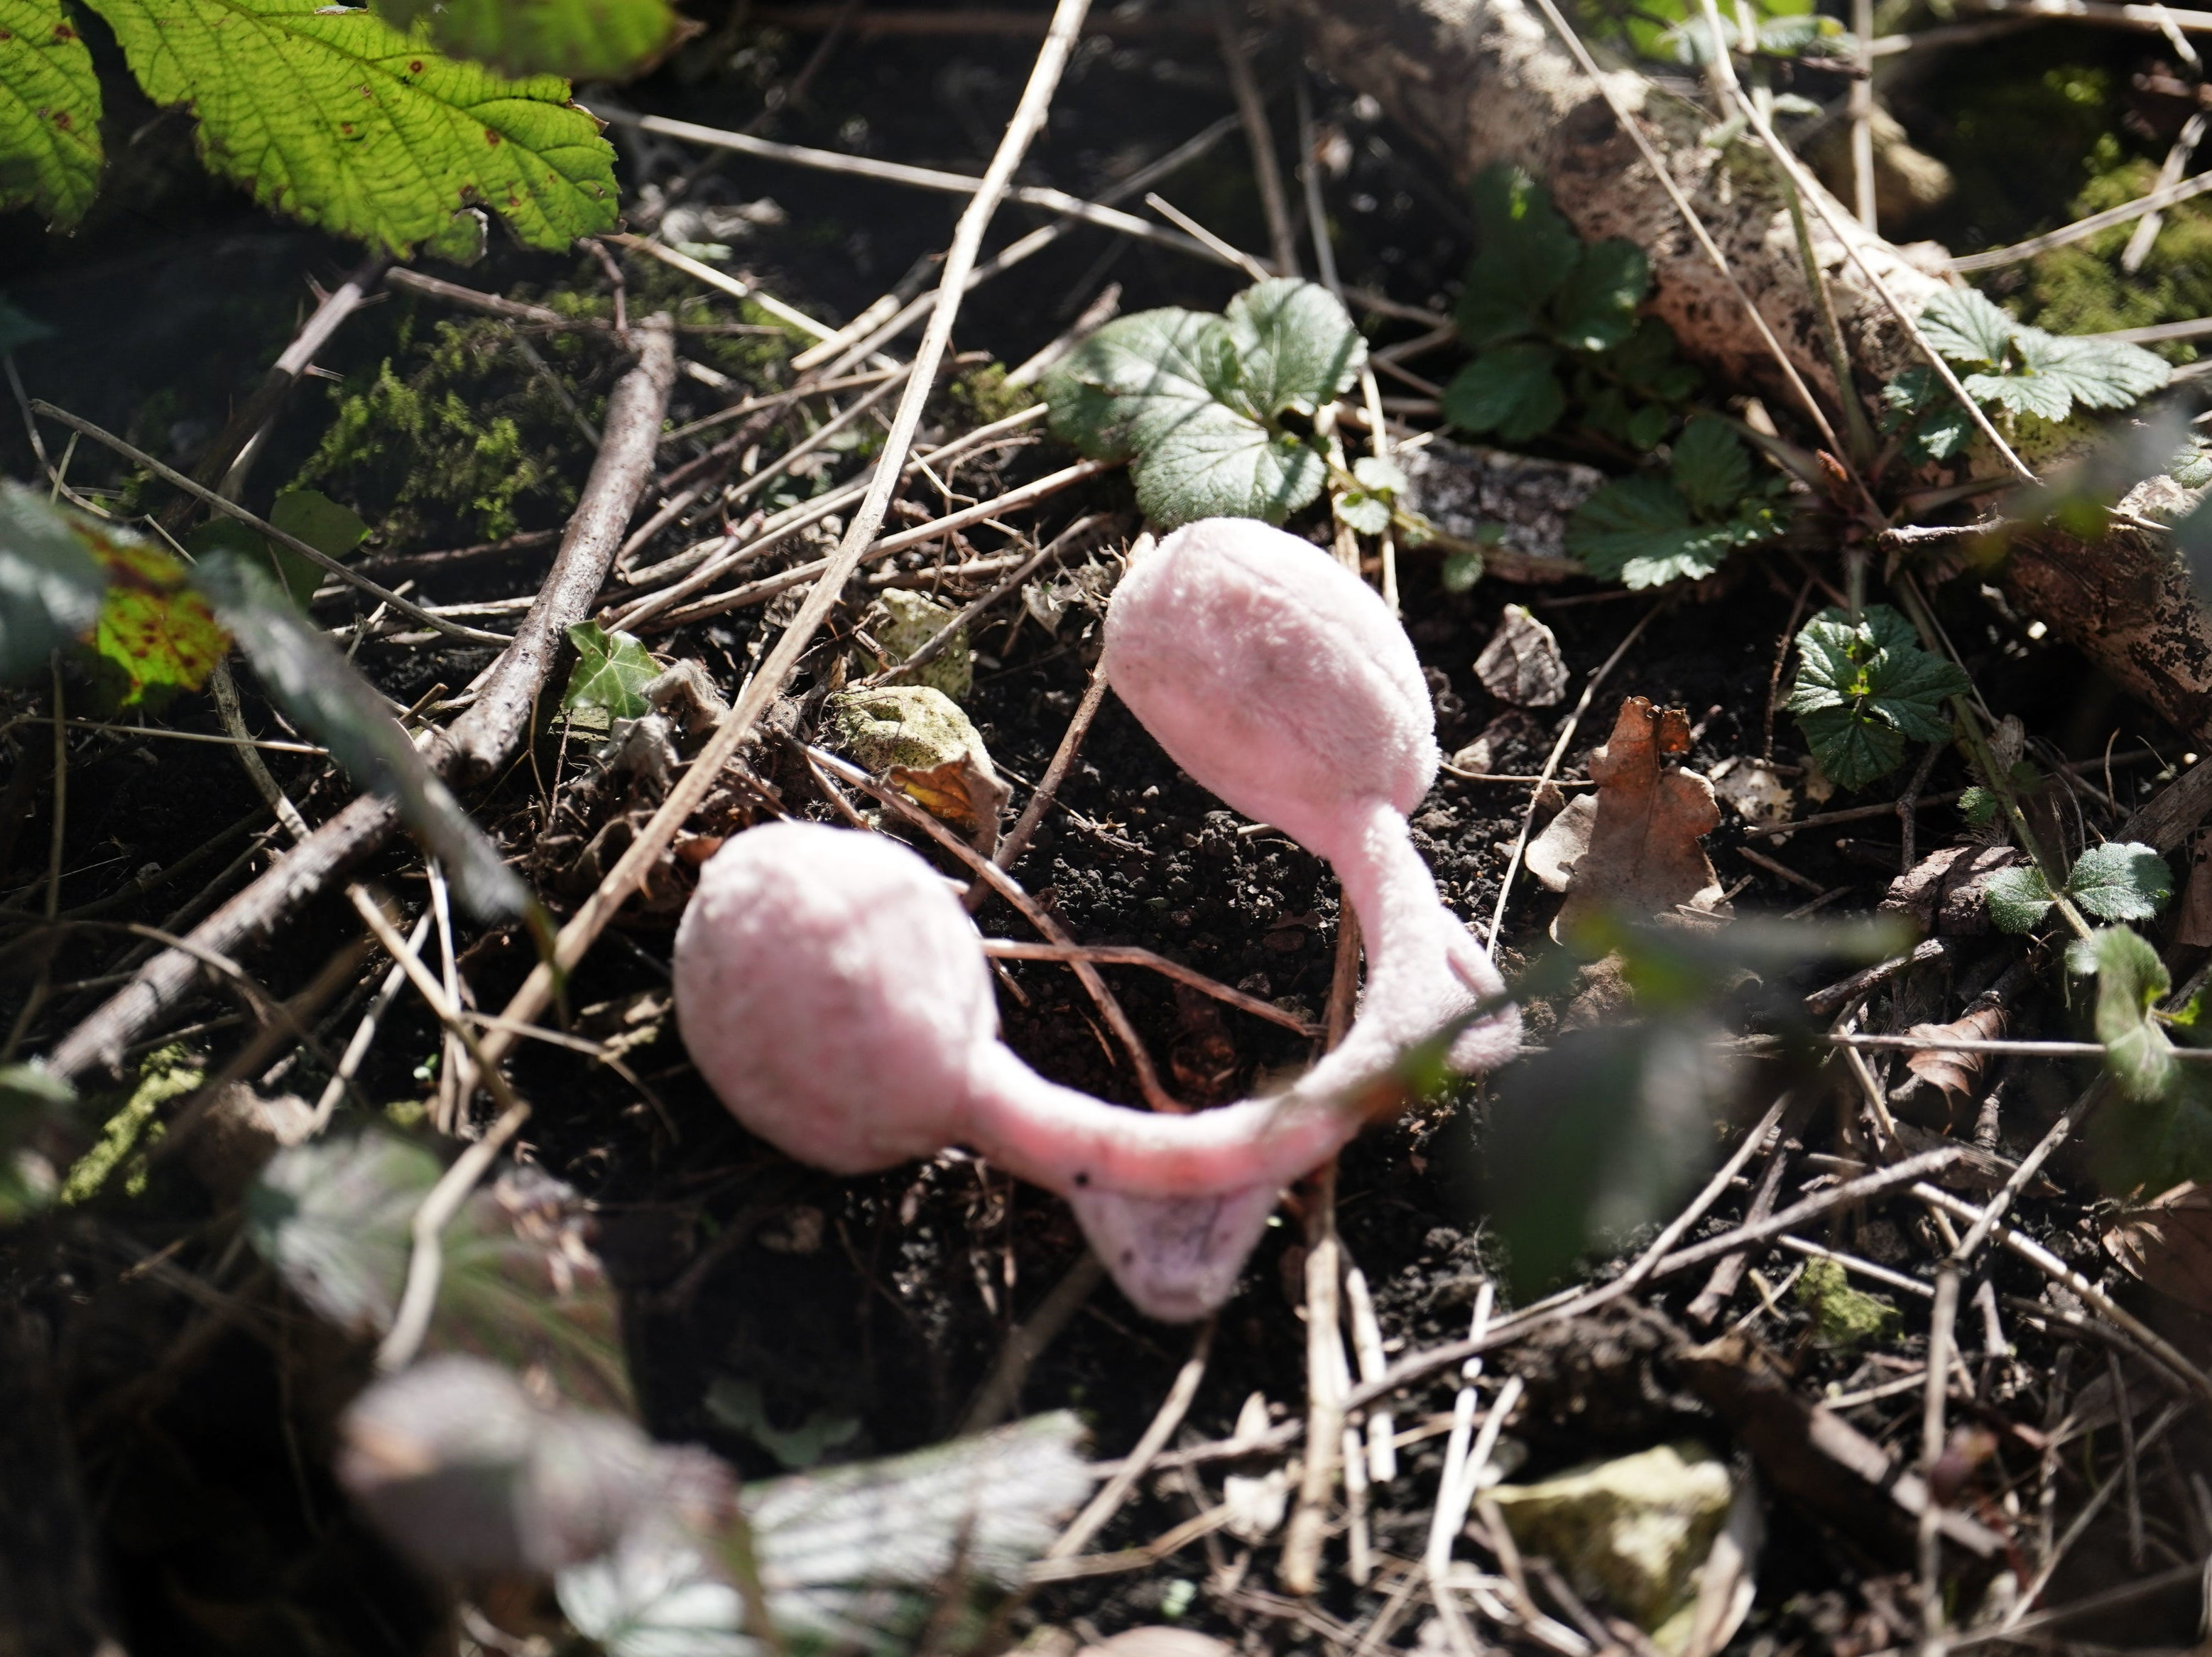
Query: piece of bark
point(1947, 891)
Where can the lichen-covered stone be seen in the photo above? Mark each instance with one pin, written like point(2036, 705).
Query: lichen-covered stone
point(1843, 1316)
point(917, 736)
point(1632, 1531)
point(914, 619)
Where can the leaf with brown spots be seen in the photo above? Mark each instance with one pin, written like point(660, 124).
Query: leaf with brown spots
point(49, 113)
point(155, 636)
point(1644, 856)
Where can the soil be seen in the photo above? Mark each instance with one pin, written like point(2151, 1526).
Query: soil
point(869, 1313)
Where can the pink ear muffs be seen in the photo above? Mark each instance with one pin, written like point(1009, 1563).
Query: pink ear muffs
point(834, 993)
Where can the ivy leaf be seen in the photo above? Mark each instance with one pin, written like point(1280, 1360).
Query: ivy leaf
point(2130, 981)
point(155, 636)
point(2018, 898)
point(583, 40)
point(1510, 391)
point(1293, 345)
point(1862, 693)
point(49, 112)
point(1596, 308)
point(50, 584)
point(1639, 531)
point(2121, 882)
point(1967, 326)
point(2098, 374)
point(611, 672)
point(1710, 465)
point(326, 695)
point(332, 115)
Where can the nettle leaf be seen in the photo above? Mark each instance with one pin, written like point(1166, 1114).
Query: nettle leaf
point(49, 112)
point(1862, 693)
point(326, 695)
point(611, 672)
point(1292, 345)
point(1711, 466)
point(2130, 981)
point(1596, 307)
point(2098, 374)
point(1640, 531)
point(333, 116)
point(1512, 391)
point(2018, 898)
point(582, 39)
point(1966, 326)
point(155, 636)
point(2121, 882)
point(50, 582)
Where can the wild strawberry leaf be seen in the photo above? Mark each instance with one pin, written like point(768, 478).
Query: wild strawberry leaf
point(2097, 374)
point(1710, 465)
point(1511, 391)
point(49, 112)
point(1596, 310)
point(331, 114)
point(1639, 531)
point(1967, 326)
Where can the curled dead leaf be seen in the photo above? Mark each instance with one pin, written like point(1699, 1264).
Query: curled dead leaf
point(1955, 1073)
point(1522, 664)
point(1644, 856)
point(2166, 1244)
point(1947, 890)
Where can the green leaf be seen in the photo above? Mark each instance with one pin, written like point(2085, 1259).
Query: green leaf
point(333, 116)
point(307, 514)
point(582, 39)
point(333, 1216)
point(1368, 514)
point(1293, 346)
point(2018, 898)
point(1650, 364)
point(155, 636)
point(2130, 981)
point(2098, 374)
point(35, 1111)
point(49, 112)
point(1596, 310)
point(1861, 692)
point(611, 672)
point(1379, 476)
point(1639, 531)
point(1979, 806)
point(2121, 882)
point(51, 583)
point(1462, 568)
point(1215, 463)
point(1710, 465)
point(2019, 393)
point(1527, 253)
point(326, 695)
point(1968, 327)
point(1510, 391)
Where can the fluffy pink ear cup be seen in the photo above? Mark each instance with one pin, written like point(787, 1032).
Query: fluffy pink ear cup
point(831, 992)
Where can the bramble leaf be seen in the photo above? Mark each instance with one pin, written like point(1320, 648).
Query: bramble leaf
point(326, 695)
point(583, 40)
point(1710, 465)
point(2018, 898)
point(1640, 531)
point(49, 112)
point(332, 115)
point(2120, 881)
point(50, 584)
point(1510, 391)
point(611, 672)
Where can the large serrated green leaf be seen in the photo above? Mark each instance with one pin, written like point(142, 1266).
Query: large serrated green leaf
point(2097, 374)
point(49, 112)
point(1710, 465)
point(1512, 391)
point(1861, 691)
point(333, 116)
point(1967, 326)
point(583, 40)
point(1639, 531)
point(1295, 345)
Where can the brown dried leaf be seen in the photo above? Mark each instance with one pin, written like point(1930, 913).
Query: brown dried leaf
point(959, 792)
point(2195, 927)
point(1946, 892)
point(1521, 663)
point(1644, 856)
point(1957, 1073)
point(2167, 1244)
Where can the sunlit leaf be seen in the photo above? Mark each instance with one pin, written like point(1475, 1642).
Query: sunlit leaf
point(49, 112)
point(1641, 531)
point(611, 672)
point(582, 39)
point(2120, 881)
point(154, 636)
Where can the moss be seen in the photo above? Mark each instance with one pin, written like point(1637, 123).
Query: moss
point(1842, 1316)
point(2082, 289)
point(985, 395)
point(167, 1073)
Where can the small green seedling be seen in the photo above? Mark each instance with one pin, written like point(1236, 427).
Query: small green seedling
point(1863, 690)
